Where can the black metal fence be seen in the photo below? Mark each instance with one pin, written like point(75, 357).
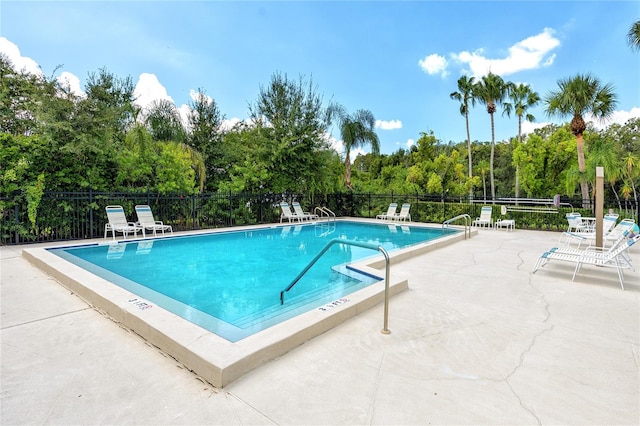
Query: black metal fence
point(63, 216)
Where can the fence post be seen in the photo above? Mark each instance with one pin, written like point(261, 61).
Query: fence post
point(230, 208)
point(17, 219)
point(193, 211)
point(90, 212)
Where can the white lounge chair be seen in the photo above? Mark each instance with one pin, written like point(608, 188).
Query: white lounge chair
point(610, 232)
point(148, 222)
point(391, 212)
point(117, 222)
point(485, 218)
point(615, 257)
point(297, 208)
point(576, 224)
point(287, 213)
point(404, 213)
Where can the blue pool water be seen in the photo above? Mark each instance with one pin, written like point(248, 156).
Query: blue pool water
point(230, 282)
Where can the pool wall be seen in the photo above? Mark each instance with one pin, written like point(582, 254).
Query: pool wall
point(211, 357)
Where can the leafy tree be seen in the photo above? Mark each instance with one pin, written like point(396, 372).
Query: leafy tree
point(545, 161)
point(292, 123)
point(522, 98)
point(173, 169)
point(633, 36)
point(108, 105)
point(205, 133)
point(631, 164)
point(490, 91)
point(356, 130)
point(18, 98)
point(603, 153)
point(137, 160)
point(465, 95)
point(577, 96)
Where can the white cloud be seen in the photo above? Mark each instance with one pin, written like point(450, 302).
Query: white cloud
point(228, 123)
point(72, 82)
point(184, 111)
point(193, 94)
point(434, 64)
point(410, 143)
point(618, 117)
point(28, 65)
point(531, 53)
point(355, 152)
point(149, 89)
point(20, 63)
point(388, 125)
point(529, 127)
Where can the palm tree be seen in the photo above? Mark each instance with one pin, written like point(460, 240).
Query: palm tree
point(490, 91)
point(465, 96)
point(577, 96)
point(603, 153)
point(163, 121)
point(634, 36)
point(523, 98)
point(356, 130)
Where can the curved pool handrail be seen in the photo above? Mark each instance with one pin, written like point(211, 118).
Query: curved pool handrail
point(467, 223)
point(324, 211)
point(370, 246)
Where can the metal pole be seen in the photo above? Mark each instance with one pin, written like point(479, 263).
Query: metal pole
point(599, 204)
point(385, 329)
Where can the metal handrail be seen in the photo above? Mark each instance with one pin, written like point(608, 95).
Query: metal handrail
point(467, 223)
point(325, 211)
point(370, 246)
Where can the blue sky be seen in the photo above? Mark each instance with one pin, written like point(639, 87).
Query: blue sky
point(400, 60)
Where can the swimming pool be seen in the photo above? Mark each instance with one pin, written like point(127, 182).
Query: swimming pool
point(214, 358)
point(230, 283)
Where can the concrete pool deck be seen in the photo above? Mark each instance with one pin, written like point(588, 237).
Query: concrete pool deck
point(475, 339)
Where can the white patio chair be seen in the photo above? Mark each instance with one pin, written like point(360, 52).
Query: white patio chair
point(391, 212)
point(485, 218)
point(287, 213)
point(148, 222)
point(297, 208)
point(404, 213)
point(117, 222)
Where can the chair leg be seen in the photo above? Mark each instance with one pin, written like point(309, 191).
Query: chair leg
point(620, 276)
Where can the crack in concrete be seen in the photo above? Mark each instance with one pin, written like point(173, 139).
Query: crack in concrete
point(530, 347)
point(372, 410)
point(45, 318)
point(231, 396)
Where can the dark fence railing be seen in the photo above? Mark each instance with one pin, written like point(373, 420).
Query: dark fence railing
point(61, 216)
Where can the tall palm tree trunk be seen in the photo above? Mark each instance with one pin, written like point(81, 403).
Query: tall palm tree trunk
point(347, 172)
point(466, 116)
point(517, 189)
point(493, 138)
point(582, 168)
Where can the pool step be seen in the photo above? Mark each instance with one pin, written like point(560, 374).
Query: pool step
point(295, 302)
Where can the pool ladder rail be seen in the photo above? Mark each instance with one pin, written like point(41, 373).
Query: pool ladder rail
point(385, 329)
point(324, 213)
point(467, 224)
